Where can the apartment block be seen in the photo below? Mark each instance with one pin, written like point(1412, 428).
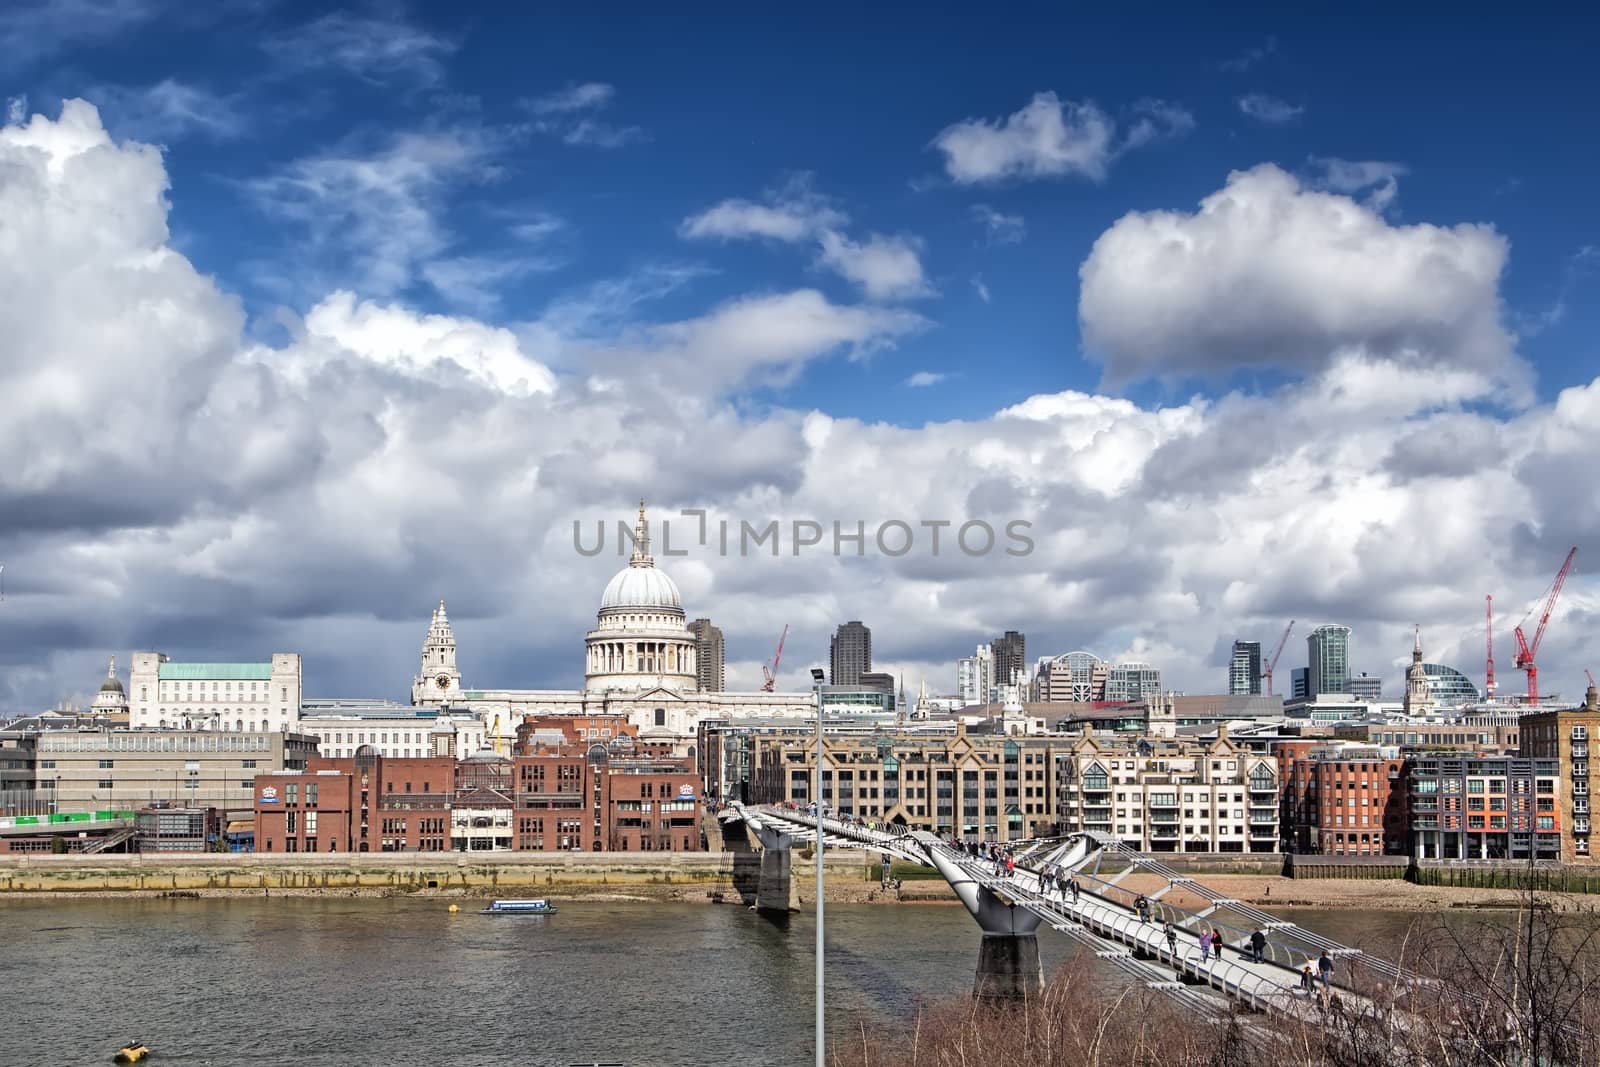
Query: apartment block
point(1565, 737)
point(1492, 807)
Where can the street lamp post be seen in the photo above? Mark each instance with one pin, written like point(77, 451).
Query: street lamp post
point(816, 676)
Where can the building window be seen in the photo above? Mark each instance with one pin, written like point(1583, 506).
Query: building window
point(661, 716)
point(105, 764)
point(104, 783)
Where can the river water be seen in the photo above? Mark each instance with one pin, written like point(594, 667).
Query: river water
point(325, 981)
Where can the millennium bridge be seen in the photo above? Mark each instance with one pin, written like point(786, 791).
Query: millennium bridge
point(1101, 915)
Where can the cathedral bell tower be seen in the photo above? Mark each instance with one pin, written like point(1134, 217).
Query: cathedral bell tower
point(440, 679)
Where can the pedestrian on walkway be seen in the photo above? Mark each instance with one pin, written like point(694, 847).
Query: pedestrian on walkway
point(1139, 906)
point(1258, 946)
point(1074, 885)
point(1307, 981)
point(1205, 945)
point(1216, 943)
point(1172, 939)
point(1011, 865)
point(1324, 968)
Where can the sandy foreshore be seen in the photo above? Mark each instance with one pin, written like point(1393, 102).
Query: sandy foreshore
point(1376, 894)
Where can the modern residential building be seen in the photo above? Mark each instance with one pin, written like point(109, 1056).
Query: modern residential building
point(709, 656)
point(1133, 681)
point(1342, 798)
point(1010, 658)
point(1565, 737)
point(981, 786)
point(975, 676)
point(1492, 807)
point(1328, 659)
point(1244, 669)
point(849, 653)
point(1169, 796)
point(128, 769)
point(237, 697)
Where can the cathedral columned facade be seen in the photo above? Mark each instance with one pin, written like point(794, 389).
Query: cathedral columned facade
point(639, 661)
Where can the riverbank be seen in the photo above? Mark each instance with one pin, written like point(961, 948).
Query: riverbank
point(1375, 894)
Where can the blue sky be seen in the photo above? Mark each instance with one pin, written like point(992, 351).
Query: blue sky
point(1484, 118)
point(461, 276)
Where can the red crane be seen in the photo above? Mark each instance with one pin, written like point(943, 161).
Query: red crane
point(1589, 675)
point(771, 673)
point(1273, 662)
point(1488, 637)
point(1525, 651)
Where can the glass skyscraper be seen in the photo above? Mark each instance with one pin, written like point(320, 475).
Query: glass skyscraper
point(1244, 671)
point(1328, 660)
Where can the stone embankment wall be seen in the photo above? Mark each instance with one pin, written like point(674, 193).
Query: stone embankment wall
point(688, 876)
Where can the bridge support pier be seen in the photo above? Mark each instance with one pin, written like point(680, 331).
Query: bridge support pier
point(775, 889)
point(1008, 959)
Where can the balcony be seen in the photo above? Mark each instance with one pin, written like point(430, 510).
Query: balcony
point(1580, 769)
point(1580, 826)
point(1580, 751)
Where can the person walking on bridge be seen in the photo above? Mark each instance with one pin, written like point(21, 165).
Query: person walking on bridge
point(1324, 968)
point(1171, 933)
point(1258, 946)
point(1216, 943)
point(1074, 885)
point(1205, 944)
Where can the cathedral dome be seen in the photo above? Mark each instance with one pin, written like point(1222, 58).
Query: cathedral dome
point(641, 587)
point(111, 685)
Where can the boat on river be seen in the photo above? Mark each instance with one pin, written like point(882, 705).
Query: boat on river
point(520, 907)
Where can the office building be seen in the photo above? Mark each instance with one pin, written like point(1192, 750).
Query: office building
point(1328, 659)
point(1366, 688)
point(709, 657)
point(1300, 684)
point(850, 653)
point(1010, 658)
point(107, 770)
point(1126, 682)
point(1244, 669)
point(236, 697)
point(1076, 677)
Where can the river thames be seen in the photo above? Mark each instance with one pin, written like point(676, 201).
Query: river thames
point(324, 981)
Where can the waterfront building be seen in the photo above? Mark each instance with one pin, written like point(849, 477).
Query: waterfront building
point(641, 662)
point(237, 697)
point(1565, 737)
point(583, 798)
point(1169, 796)
point(19, 793)
point(1491, 807)
point(977, 785)
point(849, 653)
point(1328, 659)
point(975, 676)
point(128, 769)
point(1342, 798)
point(1009, 653)
point(710, 659)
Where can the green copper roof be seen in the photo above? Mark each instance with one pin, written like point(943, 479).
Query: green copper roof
point(222, 672)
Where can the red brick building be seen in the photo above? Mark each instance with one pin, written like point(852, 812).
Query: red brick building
point(1342, 800)
point(577, 798)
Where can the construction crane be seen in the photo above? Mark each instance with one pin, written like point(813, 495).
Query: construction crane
point(496, 730)
point(1488, 637)
point(771, 673)
point(1273, 662)
point(1587, 673)
point(1526, 651)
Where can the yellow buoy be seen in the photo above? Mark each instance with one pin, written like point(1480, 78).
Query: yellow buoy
point(455, 907)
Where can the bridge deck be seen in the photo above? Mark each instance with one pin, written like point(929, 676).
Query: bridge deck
point(1103, 917)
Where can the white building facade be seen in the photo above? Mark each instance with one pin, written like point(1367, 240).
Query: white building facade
point(234, 697)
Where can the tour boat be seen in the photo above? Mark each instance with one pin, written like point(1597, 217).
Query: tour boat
point(520, 907)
